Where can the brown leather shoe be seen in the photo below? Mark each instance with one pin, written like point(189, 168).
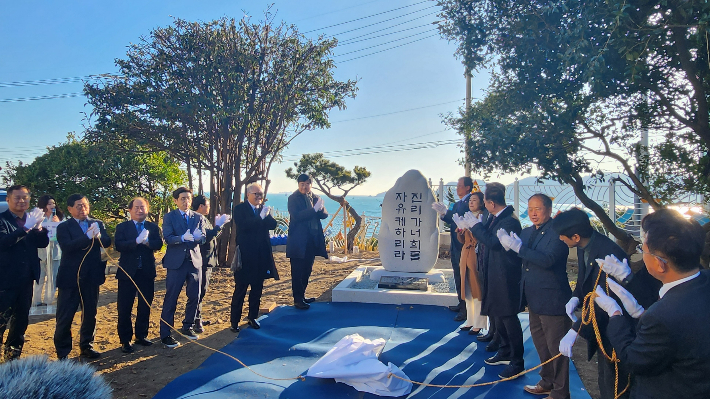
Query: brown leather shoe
point(536, 390)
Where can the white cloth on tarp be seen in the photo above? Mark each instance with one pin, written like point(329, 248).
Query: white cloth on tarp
point(353, 361)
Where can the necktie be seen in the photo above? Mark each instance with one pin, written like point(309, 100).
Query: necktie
point(84, 225)
point(256, 211)
point(187, 222)
point(139, 226)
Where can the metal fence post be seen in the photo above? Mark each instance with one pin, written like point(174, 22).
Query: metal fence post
point(612, 201)
point(441, 199)
point(516, 194)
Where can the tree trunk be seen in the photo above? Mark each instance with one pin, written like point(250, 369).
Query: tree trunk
point(358, 219)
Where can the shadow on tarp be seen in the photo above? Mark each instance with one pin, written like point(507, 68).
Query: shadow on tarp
point(423, 341)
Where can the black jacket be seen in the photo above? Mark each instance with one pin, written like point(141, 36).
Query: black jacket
point(299, 231)
point(499, 270)
point(460, 208)
point(125, 243)
point(669, 354)
point(75, 246)
point(18, 252)
point(254, 244)
point(209, 248)
point(544, 286)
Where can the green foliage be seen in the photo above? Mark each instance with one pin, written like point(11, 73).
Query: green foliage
point(328, 174)
point(109, 177)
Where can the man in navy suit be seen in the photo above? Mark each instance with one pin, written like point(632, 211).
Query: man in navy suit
point(544, 288)
point(305, 238)
point(20, 236)
point(184, 231)
point(253, 221)
point(463, 190)
point(81, 273)
point(136, 240)
point(669, 350)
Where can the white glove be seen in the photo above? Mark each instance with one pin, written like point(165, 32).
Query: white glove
point(34, 219)
point(265, 211)
point(197, 234)
point(317, 206)
point(504, 239)
point(93, 231)
point(220, 220)
point(517, 243)
point(570, 307)
point(612, 266)
point(142, 237)
point(472, 219)
point(606, 302)
point(187, 237)
point(439, 208)
point(630, 304)
point(567, 342)
point(458, 221)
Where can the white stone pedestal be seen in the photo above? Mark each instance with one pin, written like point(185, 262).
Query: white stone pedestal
point(344, 292)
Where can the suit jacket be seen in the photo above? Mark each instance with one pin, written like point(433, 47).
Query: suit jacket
point(460, 208)
point(544, 286)
point(499, 270)
point(643, 286)
point(18, 252)
point(669, 354)
point(209, 248)
point(299, 231)
point(174, 227)
point(125, 243)
point(254, 244)
point(79, 256)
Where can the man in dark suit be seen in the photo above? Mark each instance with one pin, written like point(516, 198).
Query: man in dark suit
point(20, 236)
point(576, 231)
point(463, 190)
point(305, 238)
point(136, 240)
point(500, 280)
point(81, 273)
point(545, 290)
point(253, 221)
point(669, 350)
point(201, 205)
point(184, 231)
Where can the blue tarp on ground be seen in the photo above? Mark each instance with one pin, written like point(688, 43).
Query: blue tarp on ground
point(423, 341)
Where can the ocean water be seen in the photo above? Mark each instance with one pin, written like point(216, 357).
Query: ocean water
point(363, 204)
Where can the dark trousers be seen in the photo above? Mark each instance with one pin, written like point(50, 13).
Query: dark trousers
point(68, 299)
point(455, 261)
point(607, 377)
point(547, 332)
point(301, 269)
point(510, 339)
point(188, 274)
point(14, 313)
point(206, 274)
point(240, 291)
point(126, 297)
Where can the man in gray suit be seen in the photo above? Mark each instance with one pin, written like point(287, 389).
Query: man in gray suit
point(184, 231)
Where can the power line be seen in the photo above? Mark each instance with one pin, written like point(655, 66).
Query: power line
point(397, 112)
point(334, 11)
point(347, 42)
point(56, 81)
point(381, 149)
point(50, 97)
point(387, 49)
point(369, 16)
point(390, 19)
point(382, 44)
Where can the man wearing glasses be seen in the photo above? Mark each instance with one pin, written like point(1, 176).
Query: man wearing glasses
point(669, 351)
point(253, 221)
point(21, 233)
point(595, 250)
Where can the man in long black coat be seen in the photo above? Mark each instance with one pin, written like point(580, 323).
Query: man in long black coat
point(20, 236)
point(500, 273)
point(305, 238)
point(253, 221)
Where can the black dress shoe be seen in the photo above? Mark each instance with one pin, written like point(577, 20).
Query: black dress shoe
point(253, 324)
point(485, 338)
point(90, 353)
point(301, 305)
point(143, 342)
point(455, 308)
point(309, 300)
point(206, 322)
point(234, 329)
point(466, 328)
point(127, 348)
point(492, 346)
point(474, 331)
point(460, 316)
point(198, 329)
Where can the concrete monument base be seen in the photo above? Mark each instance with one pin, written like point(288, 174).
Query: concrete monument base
point(361, 286)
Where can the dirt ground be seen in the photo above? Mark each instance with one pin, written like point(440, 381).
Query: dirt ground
point(143, 373)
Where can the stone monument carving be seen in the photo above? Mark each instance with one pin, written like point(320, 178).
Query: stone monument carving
point(409, 233)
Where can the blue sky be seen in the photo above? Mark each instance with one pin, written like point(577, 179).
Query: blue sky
point(50, 40)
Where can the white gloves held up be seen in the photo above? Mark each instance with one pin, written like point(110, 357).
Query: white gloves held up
point(187, 237)
point(472, 219)
point(220, 220)
point(460, 222)
point(630, 304)
point(509, 241)
point(197, 234)
point(93, 231)
point(613, 267)
point(142, 237)
point(439, 208)
point(265, 211)
point(567, 342)
point(570, 307)
point(34, 219)
point(317, 206)
point(606, 302)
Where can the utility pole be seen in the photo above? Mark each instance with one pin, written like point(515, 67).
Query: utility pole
point(467, 163)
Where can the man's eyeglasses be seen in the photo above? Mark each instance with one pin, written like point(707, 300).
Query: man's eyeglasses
point(640, 250)
point(19, 198)
point(258, 194)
